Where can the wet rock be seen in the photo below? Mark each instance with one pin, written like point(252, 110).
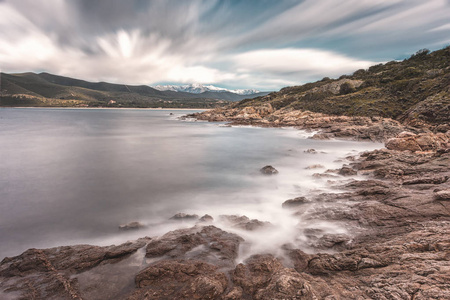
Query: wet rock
point(323, 136)
point(183, 216)
point(208, 243)
point(243, 222)
point(336, 241)
point(178, 279)
point(324, 175)
point(48, 273)
point(317, 166)
point(268, 170)
point(311, 151)
point(206, 218)
point(131, 226)
point(347, 171)
point(264, 277)
point(295, 202)
point(234, 294)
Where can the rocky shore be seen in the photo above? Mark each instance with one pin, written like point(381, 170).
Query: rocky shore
point(399, 215)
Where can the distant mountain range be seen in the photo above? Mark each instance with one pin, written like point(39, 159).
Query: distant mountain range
point(196, 88)
point(44, 89)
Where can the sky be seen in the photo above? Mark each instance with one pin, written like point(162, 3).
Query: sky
point(261, 44)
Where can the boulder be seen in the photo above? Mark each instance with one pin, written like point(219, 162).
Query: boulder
point(295, 202)
point(206, 218)
point(418, 142)
point(268, 170)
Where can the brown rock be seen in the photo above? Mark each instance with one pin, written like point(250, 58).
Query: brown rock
point(243, 222)
point(442, 195)
point(131, 226)
point(183, 216)
point(217, 246)
point(206, 218)
point(179, 279)
point(268, 170)
point(347, 171)
point(295, 202)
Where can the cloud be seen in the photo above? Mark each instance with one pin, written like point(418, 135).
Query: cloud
point(290, 60)
point(243, 44)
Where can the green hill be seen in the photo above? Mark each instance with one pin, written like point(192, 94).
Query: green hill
point(414, 90)
point(30, 89)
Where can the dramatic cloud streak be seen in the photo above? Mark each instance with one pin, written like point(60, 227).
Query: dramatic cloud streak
point(235, 44)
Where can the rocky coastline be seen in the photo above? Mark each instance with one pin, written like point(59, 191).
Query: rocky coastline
point(400, 249)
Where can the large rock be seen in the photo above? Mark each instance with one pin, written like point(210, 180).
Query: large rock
point(52, 273)
point(264, 277)
point(178, 279)
point(208, 243)
point(418, 142)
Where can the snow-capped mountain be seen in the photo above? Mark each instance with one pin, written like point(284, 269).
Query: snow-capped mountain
point(196, 88)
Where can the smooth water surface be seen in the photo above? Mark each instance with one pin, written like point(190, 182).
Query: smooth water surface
point(73, 175)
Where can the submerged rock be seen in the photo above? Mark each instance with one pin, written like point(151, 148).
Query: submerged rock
point(183, 216)
point(295, 202)
point(206, 218)
point(268, 170)
point(243, 222)
point(311, 151)
point(317, 166)
point(131, 226)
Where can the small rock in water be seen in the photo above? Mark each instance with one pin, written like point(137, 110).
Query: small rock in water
point(206, 218)
point(132, 225)
point(311, 151)
point(269, 170)
point(318, 166)
point(295, 202)
point(183, 216)
point(243, 222)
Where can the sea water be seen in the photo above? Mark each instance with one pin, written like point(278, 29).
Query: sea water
point(71, 176)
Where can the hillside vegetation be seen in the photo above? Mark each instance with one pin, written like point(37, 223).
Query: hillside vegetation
point(412, 91)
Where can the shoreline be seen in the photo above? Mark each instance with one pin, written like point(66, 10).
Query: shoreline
point(402, 206)
point(139, 108)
